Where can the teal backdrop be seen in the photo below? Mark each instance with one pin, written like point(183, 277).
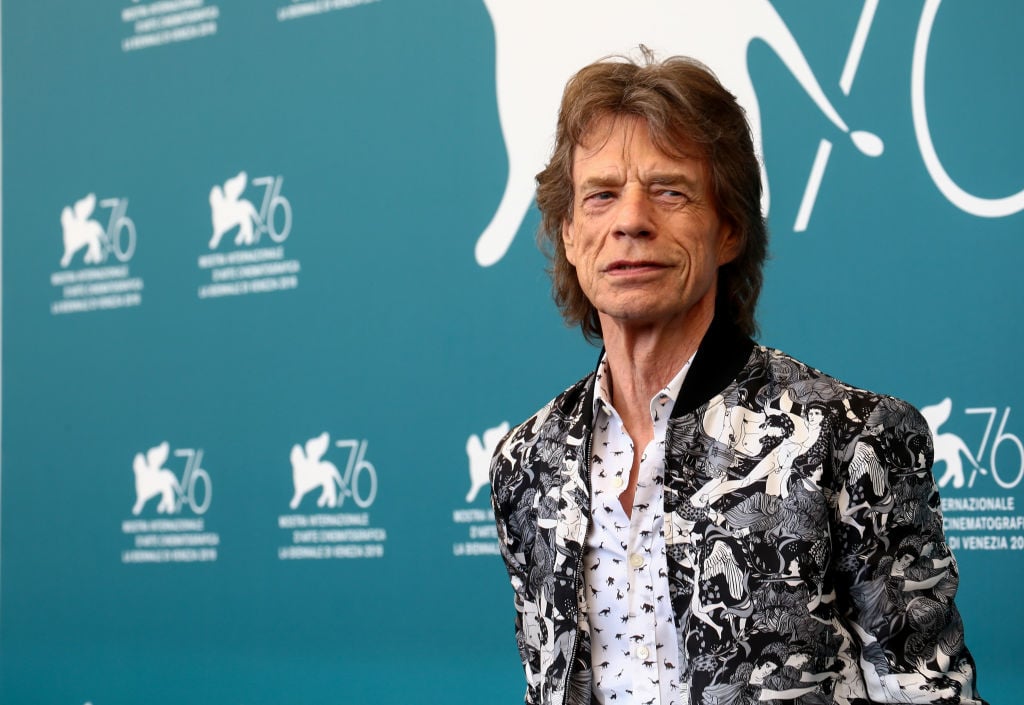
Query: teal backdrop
point(270, 292)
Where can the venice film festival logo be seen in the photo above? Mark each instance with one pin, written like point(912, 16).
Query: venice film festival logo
point(533, 66)
point(999, 457)
point(153, 480)
point(159, 490)
point(479, 452)
point(102, 246)
point(480, 537)
point(980, 471)
point(341, 532)
point(310, 471)
point(258, 263)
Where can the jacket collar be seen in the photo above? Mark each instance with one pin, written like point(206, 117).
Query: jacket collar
point(722, 353)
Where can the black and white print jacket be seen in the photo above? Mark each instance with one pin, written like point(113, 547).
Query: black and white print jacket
point(803, 532)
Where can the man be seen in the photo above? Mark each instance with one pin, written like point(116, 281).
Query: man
point(701, 510)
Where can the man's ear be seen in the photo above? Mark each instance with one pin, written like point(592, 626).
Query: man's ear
point(569, 241)
point(730, 244)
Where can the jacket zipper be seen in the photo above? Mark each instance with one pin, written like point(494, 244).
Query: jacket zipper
point(577, 574)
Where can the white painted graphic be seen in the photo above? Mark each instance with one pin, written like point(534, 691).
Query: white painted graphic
point(310, 471)
point(971, 521)
point(169, 538)
point(228, 210)
point(308, 8)
point(1002, 447)
point(251, 269)
point(476, 524)
point(540, 44)
point(163, 22)
point(967, 202)
point(153, 479)
point(81, 231)
point(332, 535)
point(950, 449)
point(94, 284)
point(479, 454)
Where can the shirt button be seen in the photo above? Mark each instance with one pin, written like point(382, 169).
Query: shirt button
point(618, 483)
point(643, 652)
point(636, 560)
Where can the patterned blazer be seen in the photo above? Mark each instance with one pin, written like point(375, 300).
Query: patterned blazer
point(802, 525)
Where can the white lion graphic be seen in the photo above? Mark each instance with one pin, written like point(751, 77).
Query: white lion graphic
point(229, 210)
point(948, 446)
point(539, 44)
point(309, 472)
point(80, 231)
point(152, 479)
point(479, 454)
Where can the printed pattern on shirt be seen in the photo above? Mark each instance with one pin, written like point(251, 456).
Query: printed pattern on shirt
point(633, 634)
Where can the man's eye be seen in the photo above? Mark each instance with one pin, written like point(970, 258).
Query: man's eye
point(598, 197)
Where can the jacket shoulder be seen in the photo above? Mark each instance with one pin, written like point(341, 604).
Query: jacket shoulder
point(542, 434)
point(794, 382)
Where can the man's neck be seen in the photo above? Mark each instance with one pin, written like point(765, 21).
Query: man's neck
point(642, 360)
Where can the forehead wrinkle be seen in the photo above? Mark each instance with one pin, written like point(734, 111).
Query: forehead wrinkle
point(674, 168)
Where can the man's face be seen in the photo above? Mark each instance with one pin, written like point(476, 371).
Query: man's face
point(644, 237)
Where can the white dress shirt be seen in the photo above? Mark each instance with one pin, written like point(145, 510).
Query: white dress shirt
point(635, 647)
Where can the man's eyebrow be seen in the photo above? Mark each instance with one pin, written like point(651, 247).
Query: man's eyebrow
point(661, 178)
point(607, 181)
point(671, 178)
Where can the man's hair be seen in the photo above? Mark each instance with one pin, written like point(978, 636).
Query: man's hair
point(684, 107)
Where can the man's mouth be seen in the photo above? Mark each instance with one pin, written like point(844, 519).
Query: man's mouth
point(627, 266)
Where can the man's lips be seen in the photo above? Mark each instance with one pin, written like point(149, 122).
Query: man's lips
point(632, 266)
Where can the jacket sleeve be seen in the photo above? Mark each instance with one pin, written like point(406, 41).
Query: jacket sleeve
point(895, 575)
point(507, 503)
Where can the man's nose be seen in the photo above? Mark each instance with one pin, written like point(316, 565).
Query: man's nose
point(634, 214)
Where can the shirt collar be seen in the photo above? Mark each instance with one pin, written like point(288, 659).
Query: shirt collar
point(603, 396)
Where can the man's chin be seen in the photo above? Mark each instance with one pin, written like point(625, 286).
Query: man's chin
point(652, 313)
